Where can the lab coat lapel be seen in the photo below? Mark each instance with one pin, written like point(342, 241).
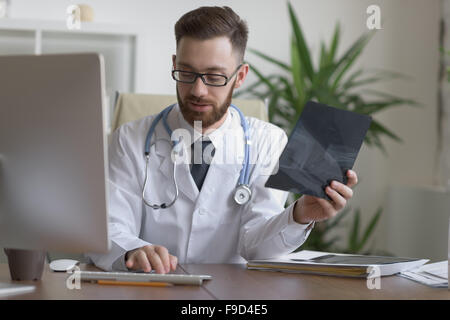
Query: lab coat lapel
point(184, 178)
point(163, 150)
point(220, 179)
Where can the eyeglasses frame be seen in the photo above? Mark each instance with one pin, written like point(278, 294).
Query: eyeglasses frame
point(201, 75)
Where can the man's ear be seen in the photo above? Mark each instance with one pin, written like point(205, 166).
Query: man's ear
point(241, 75)
point(174, 63)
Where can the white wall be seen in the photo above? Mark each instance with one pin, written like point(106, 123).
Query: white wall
point(408, 43)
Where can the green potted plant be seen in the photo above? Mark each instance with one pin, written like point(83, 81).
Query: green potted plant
point(334, 82)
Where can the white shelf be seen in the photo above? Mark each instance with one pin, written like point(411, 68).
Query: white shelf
point(119, 45)
point(61, 26)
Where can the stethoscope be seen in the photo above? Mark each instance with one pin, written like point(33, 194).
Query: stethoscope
point(242, 193)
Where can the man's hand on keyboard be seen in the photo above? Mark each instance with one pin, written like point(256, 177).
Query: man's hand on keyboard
point(151, 257)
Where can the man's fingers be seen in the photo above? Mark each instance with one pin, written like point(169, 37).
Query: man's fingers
point(141, 261)
point(130, 260)
point(352, 178)
point(155, 260)
point(173, 262)
point(344, 190)
point(326, 205)
point(164, 256)
point(129, 263)
point(150, 258)
point(339, 201)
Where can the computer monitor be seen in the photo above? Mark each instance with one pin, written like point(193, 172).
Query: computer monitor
point(53, 158)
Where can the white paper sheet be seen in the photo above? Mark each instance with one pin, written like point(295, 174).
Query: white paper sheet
point(433, 274)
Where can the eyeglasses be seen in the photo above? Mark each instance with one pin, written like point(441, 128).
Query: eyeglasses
point(209, 79)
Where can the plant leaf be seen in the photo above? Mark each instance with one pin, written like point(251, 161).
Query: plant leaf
point(335, 221)
point(297, 75)
point(350, 56)
point(254, 85)
point(379, 128)
point(323, 56)
point(371, 227)
point(265, 80)
point(390, 96)
point(353, 239)
point(270, 59)
point(303, 50)
point(373, 107)
point(334, 44)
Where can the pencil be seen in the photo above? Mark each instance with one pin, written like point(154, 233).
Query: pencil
point(135, 283)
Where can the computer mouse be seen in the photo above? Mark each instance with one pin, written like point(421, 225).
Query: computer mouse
point(63, 265)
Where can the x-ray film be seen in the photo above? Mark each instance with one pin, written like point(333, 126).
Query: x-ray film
point(322, 147)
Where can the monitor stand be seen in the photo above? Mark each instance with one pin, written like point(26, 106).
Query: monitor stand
point(25, 264)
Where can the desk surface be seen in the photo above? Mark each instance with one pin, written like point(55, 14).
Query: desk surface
point(233, 282)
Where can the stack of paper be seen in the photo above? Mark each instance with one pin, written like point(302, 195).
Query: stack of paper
point(433, 274)
point(335, 264)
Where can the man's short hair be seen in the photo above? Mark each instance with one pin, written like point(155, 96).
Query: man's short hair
point(209, 22)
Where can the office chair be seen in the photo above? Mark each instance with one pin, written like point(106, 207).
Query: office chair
point(133, 106)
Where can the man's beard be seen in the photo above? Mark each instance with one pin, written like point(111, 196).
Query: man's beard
point(207, 118)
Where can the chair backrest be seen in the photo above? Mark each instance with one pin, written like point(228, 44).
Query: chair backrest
point(133, 106)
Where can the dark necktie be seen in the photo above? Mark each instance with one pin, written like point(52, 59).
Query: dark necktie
point(199, 170)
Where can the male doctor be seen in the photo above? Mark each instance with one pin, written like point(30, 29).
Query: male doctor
point(205, 224)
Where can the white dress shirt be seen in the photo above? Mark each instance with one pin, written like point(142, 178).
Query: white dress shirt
point(201, 227)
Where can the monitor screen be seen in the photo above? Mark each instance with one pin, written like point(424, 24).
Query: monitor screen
point(53, 159)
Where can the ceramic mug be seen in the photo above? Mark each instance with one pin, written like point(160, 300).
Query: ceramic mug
point(25, 264)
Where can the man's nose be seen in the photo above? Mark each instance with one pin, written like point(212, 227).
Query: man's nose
point(198, 88)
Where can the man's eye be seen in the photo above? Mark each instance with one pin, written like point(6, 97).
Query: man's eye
point(214, 79)
point(186, 76)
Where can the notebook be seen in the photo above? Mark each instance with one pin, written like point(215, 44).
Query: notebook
point(336, 264)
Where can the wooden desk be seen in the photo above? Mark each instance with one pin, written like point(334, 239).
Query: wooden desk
point(236, 282)
point(53, 286)
point(233, 282)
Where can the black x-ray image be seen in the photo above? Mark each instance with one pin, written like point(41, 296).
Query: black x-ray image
point(322, 147)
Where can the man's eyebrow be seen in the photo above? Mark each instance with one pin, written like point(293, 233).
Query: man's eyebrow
point(212, 68)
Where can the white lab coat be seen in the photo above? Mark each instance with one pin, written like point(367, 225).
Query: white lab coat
point(206, 226)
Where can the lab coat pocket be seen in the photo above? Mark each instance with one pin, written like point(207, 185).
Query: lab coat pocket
point(231, 214)
point(218, 192)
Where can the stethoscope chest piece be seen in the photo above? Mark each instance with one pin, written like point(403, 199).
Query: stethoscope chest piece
point(242, 194)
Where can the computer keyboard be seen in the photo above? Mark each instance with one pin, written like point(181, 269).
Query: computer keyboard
point(189, 279)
